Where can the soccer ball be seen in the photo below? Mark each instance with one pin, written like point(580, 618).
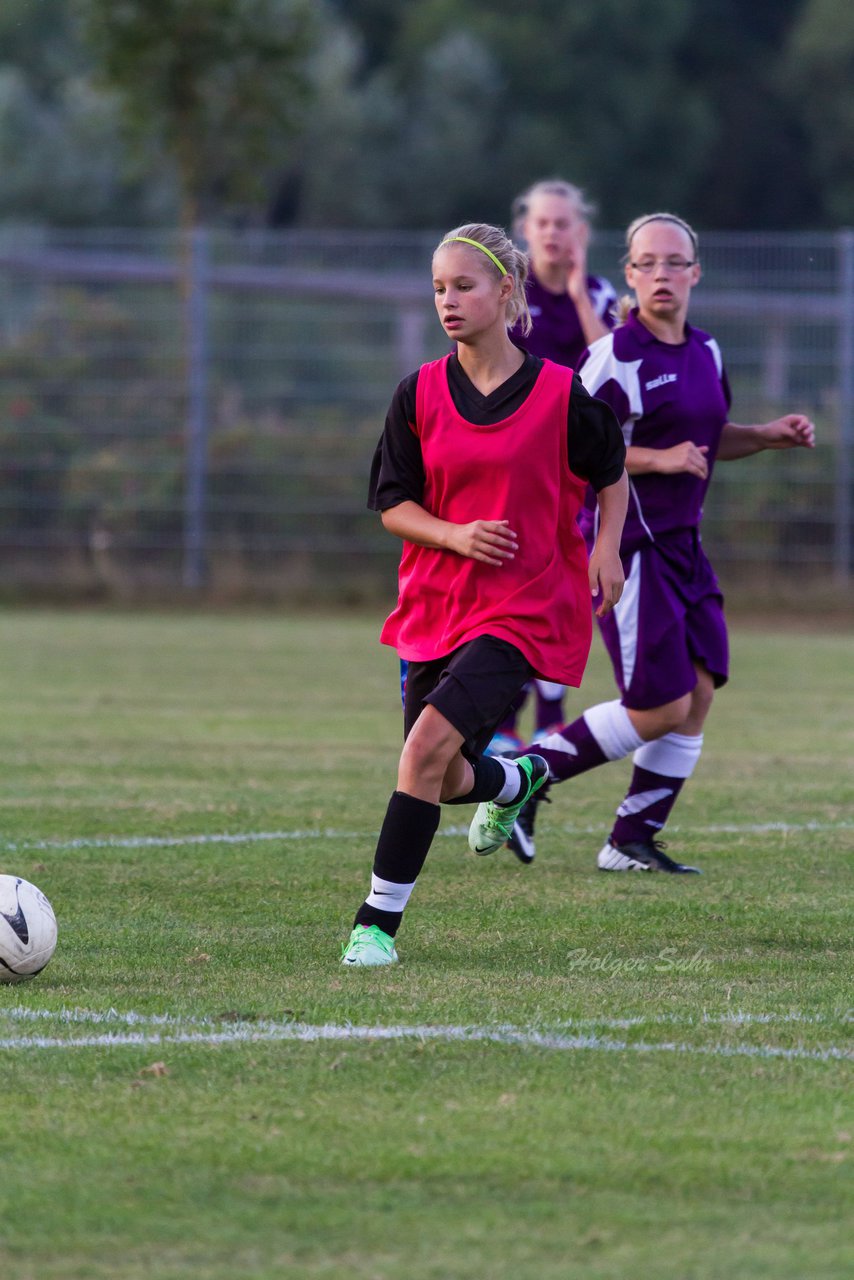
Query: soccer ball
point(27, 929)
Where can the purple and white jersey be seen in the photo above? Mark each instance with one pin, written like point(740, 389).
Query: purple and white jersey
point(663, 394)
point(556, 333)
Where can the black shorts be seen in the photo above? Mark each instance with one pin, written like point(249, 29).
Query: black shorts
point(473, 688)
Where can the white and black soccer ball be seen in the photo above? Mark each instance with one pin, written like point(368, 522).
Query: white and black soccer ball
point(27, 929)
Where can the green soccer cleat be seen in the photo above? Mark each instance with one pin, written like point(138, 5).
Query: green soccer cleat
point(492, 824)
point(368, 945)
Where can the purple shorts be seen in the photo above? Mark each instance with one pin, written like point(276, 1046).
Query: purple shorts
point(671, 616)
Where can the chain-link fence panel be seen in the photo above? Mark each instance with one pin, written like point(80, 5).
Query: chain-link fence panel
point(184, 413)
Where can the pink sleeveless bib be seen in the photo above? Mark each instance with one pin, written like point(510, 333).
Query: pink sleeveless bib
point(515, 470)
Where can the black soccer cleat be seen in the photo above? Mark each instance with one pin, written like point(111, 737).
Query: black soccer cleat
point(521, 840)
point(641, 855)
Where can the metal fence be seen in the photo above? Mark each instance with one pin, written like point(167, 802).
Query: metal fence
point(186, 413)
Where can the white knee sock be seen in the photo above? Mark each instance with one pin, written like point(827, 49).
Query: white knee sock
point(612, 728)
point(675, 755)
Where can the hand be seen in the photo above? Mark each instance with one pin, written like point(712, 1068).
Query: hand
point(686, 457)
point(491, 541)
point(792, 431)
point(576, 276)
point(605, 575)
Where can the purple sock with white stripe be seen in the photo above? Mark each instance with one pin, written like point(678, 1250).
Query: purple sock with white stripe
point(661, 770)
point(646, 807)
point(605, 732)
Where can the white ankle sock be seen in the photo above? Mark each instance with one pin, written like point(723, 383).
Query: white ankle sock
point(512, 781)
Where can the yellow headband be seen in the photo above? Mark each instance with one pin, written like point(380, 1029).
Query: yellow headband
point(477, 245)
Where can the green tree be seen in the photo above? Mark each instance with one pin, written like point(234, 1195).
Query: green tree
point(377, 113)
point(821, 73)
point(482, 99)
point(753, 172)
point(42, 42)
point(62, 154)
point(395, 155)
point(378, 23)
point(218, 83)
point(688, 103)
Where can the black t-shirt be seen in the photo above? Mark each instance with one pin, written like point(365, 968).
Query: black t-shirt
point(594, 441)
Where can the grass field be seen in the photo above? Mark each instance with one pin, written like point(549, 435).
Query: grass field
point(569, 1075)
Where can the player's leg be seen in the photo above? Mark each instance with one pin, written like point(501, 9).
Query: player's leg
point(506, 739)
point(548, 712)
point(451, 706)
point(487, 678)
point(662, 767)
point(661, 770)
point(605, 732)
point(407, 831)
point(633, 634)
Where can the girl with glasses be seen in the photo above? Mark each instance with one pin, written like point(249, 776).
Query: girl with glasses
point(667, 638)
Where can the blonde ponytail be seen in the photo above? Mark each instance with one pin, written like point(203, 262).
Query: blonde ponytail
point(622, 308)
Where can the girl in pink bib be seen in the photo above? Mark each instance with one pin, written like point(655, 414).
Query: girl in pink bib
point(481, 470)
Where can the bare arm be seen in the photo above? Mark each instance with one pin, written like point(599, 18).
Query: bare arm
point(605, 570)
point(792, 431)
point(686, 456)
point(591, 326)
point(576, 286)
point(491, 541)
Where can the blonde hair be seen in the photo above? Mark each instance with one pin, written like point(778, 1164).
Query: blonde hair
point(623, 306)
point(513, 259)
point(550, 187)
point(634, 227)
point(622, 309)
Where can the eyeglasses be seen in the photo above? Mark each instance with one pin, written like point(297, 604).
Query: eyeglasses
point(646, 265)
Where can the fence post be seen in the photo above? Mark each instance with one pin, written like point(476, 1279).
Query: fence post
point(844, 471)
point(410, 339)
point(196, 433)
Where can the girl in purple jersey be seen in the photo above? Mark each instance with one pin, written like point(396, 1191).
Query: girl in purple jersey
point(667, 638)
point(569, 310)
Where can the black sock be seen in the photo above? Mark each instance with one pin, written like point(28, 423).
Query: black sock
point(405, 838)
point(489, 778)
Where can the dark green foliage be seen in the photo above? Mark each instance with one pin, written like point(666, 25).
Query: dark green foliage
point(92, 444)
point(217, 82)
point(821, 67)
point(381, 114)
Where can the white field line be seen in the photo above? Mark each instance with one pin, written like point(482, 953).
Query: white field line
point(317, 833)
point(131, 1018)
point(258, 1033)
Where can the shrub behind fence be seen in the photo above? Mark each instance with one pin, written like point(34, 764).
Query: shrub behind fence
point(200, 414)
